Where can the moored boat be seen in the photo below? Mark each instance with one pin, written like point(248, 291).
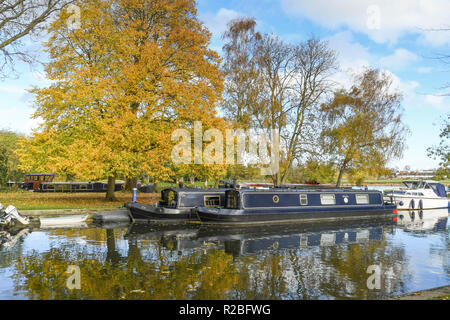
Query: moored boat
point(177, 204)
point(419, 194)
point(246, 206)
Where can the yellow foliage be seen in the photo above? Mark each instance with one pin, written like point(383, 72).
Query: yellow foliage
point(121, 83)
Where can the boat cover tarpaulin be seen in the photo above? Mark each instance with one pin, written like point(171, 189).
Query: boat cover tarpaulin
point(439, 189)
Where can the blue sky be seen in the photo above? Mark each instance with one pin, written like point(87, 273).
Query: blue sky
point(395, 36)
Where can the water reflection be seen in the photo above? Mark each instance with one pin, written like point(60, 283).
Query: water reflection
point(423, 220)
point(191, 261)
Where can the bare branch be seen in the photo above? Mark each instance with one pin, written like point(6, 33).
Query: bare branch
point(18, 19)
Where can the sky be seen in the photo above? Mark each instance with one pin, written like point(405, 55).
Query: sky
point(400, 37)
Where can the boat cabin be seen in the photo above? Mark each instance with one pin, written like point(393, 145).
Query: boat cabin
point(33, 181)
point(414, 186)
point(306, 198)
point(191, 198)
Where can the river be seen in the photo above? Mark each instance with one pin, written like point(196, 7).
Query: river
point(189, 261)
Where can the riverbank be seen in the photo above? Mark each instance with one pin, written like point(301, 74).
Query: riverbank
point(440, 293)
point(25, 201)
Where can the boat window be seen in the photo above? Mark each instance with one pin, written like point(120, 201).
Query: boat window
point(327, 199)
point(232, 201)
point(169, 198)
point(304, 199)
point(419, 193)
point(212, 201)
point(362, 199)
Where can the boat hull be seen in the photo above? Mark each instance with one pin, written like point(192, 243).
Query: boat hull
point(145, 212)
point(410, 202)
point(255, 216)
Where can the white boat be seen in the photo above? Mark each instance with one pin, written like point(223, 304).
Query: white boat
point(419, 194)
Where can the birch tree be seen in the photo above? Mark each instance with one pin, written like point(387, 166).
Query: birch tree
point(364, 124)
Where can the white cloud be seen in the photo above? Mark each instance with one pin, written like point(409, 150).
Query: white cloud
point(438, 102)
point(414, 100)
point(424, 69)
point(399, 59)
point(217, 23)
point(352, 57)
point(351, 54)
point(12, 89)
point(382, 20)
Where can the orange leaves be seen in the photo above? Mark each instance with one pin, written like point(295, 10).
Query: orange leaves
point(132, 73)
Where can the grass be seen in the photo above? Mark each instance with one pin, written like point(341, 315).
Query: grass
point(49, 201)
point(25, 200)
point(446, 297)
point(391, 182)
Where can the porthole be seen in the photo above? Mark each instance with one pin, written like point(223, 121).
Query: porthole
point(276, 199)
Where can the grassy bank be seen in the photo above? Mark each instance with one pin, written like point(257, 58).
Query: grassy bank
point(25, 200)
point(49, 201)
point(391, 182)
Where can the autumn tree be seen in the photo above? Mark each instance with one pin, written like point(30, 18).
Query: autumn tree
point(314, 171)
point(279, 88)
point(442, 151)
point(121, 83)
point(206, 161)
point(364, 127)
point(240, 68)
point(8, 159)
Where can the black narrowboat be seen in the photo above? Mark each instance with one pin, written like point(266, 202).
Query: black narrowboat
point(246, 206)
point(177, 204)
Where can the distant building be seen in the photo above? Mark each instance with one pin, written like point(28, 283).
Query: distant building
point(419, 174)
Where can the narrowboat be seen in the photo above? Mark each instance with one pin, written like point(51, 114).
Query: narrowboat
point(246, 206)
point(246, 240)
point(177, 204)
point(419, 194)
point(38, 182)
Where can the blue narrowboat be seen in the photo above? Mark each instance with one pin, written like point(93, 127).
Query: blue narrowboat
point(177, 204)
point(280, 205)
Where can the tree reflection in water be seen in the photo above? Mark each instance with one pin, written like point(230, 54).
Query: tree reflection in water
point(159, 263)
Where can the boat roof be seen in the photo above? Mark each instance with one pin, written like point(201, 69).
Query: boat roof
point(329, 190)
point(198, 190)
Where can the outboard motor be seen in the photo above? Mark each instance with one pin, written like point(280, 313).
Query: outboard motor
point(12, 213)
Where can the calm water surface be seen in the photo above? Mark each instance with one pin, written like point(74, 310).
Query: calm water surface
point(190, 261)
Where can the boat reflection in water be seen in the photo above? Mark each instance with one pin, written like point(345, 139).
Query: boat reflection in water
point(248, 240)
point(423, 220)
point(190, 260)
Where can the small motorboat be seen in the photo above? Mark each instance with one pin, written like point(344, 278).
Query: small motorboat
point(177, 204)
point(70, 221)
point(11, 217)
point(247, 206)
point(419, 194)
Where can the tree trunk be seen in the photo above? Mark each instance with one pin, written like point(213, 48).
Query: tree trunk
point(341, 173)
point(110, 196)
point(276, 179)
point(131, 183)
